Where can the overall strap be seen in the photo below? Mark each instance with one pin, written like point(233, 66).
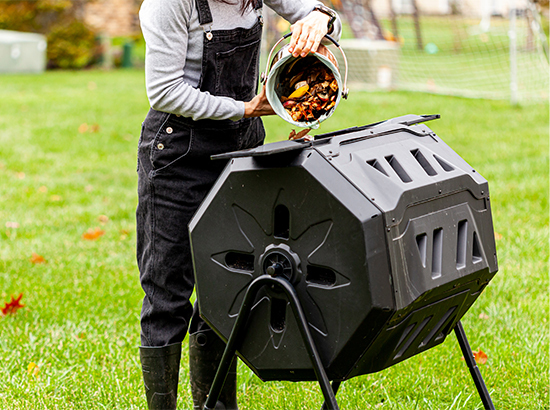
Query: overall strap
point(205, 15)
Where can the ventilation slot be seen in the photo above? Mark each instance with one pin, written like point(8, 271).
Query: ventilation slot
point(461, 244)
point(412, 337)
point(320, 276)
point(405, 333)
point(376, 165)
point(278, 314)
point(437, 253)
point(422, 243)
point(240, 261)
point(281, 223)
point(476, 250)
point(446, 166)
point(436, 328)
point(398, 169)
point(423, 162)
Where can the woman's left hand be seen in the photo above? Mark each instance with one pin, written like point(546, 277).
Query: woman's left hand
point(308, 33)
point(258, 106)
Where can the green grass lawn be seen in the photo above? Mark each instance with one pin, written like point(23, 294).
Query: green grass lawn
point(67, 165)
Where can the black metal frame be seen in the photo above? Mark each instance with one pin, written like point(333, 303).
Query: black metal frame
point(329, 391)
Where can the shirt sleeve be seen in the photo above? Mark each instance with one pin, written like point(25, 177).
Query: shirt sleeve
point(294, 10)
point(164, 25)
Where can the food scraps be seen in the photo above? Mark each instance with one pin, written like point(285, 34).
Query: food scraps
point(307, 89)
point(302, 134)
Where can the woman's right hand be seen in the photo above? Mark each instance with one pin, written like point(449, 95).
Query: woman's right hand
point(258, 106)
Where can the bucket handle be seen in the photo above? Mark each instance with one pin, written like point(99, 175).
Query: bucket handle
point(345, 92)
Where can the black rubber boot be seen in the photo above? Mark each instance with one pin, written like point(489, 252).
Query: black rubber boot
point(160, 366)
point(205, 353)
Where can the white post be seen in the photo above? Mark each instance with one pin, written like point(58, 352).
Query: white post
point(513, 55)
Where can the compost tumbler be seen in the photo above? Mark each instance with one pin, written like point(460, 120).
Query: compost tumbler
point(383, 231)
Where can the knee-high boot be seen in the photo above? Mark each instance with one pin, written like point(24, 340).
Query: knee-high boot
point(160, 366)
point(205, 353)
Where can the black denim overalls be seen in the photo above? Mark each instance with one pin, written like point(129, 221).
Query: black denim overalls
point(175, 173)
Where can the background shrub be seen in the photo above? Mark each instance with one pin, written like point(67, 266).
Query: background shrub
point(71, 43)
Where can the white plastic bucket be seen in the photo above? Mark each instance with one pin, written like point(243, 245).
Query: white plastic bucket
point(284, 58)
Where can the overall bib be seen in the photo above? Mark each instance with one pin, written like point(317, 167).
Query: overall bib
point(175, 173)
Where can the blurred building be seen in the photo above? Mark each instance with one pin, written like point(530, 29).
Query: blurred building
point(113, 17)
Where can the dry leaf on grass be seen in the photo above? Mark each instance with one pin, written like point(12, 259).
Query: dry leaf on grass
point(11, 307)
point(36, 258)
point(33, 369)
point(93, 233)
point(480, 356)
point(88, 128)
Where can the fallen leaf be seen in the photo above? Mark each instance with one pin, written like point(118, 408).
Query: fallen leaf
point(83, 128)
point(33, 369)
point(11, 224)
point(93, 233)
point(11, 307)
point(43, 189)
point(94, 128)
point(498, 236)
point(21, 175)
point(103, 219)
point(124, 234)
point(88, 188)
point(55, 198)
point(483, 316)
point(36, 259)
point(480, 357)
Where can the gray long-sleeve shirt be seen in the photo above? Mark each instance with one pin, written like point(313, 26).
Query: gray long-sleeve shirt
point(174, 40)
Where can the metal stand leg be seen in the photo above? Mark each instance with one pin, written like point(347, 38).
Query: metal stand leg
point(240, 327)
point(335, 386)
point(474, 370)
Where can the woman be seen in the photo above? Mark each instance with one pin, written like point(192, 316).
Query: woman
point(201, 78)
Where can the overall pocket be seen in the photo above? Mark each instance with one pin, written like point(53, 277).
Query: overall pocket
point(237, 72)
point(172, 142)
